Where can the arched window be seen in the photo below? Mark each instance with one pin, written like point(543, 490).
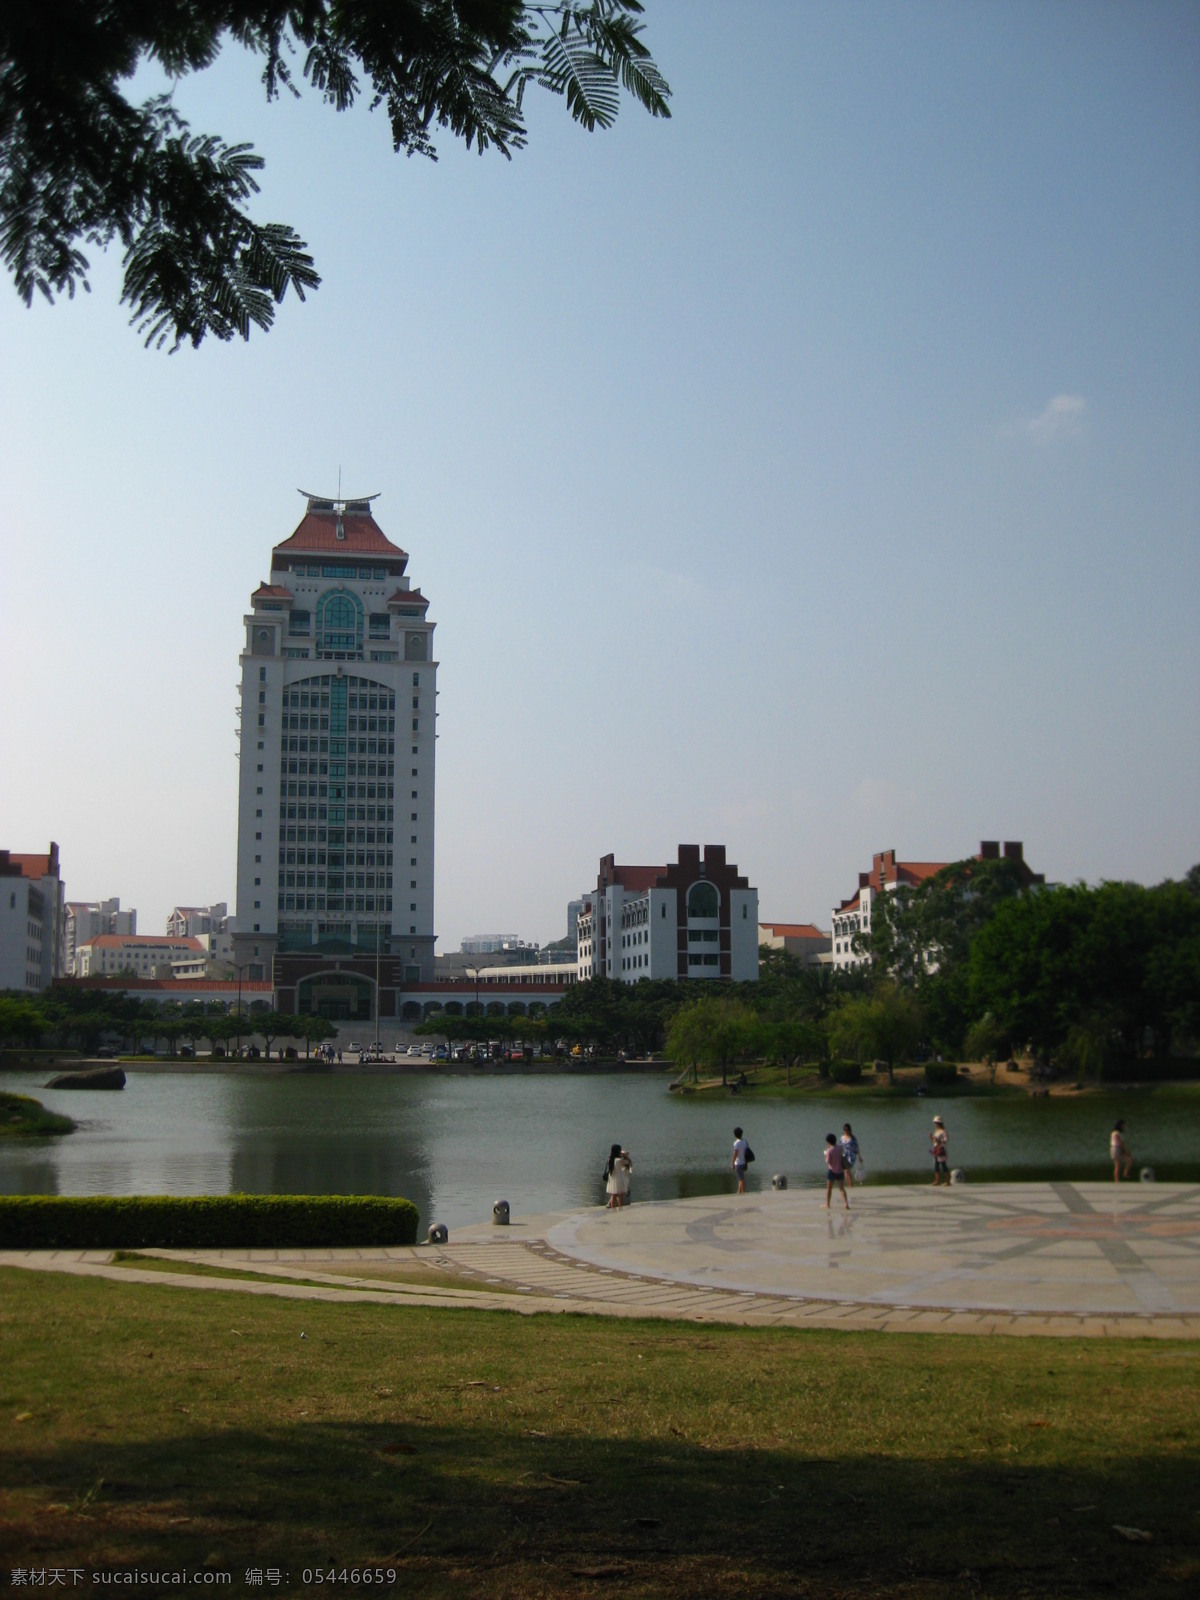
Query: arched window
point(702, 901)
point(339, 624)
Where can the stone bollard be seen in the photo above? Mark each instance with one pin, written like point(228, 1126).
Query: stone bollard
point(439, 1233)
point(779, 1181)
point(1147, 1175)
point(501, 1213)
point(958, 1176)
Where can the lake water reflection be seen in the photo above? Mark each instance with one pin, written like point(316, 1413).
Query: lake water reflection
point(453, 1143)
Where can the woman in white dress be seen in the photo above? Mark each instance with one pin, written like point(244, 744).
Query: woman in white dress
point(616, 1175)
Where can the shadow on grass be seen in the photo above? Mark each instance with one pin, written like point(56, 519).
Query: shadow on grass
point(476, 1510)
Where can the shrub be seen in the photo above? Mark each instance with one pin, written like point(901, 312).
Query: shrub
point(203, 1222)
point(846, 1072)
point(21, 1114)
point(940, 1074)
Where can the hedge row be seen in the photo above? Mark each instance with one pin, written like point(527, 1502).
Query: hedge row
point(203, 1222)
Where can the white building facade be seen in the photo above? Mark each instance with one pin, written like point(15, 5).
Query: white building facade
point(696, 918)
point(336, 788)
point(149, 955)
point(194, 920)
point(32, 920)
point(88, 919)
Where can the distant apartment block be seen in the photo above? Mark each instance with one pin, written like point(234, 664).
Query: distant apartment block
point(147, 955)
point(887, 874)
point(87, 919)
point(32, 920)
point(804, 940)
point(192, 921)
point(695, 918)
point(491, 944)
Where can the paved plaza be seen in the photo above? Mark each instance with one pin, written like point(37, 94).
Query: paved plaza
point(1059, 1258)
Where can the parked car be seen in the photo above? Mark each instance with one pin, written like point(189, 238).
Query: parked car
point(440, 1053)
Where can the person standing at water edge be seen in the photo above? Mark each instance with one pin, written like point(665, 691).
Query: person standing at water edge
point(616, 1177)
point(623, 1171)
point(939, 1149)
point(834, 1170)
point(612, 1184)
point(1119, 1152)
point(849, 1146)
point(738, 1163)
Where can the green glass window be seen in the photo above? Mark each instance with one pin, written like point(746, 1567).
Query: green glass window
point(339, 624)
point(702, 901)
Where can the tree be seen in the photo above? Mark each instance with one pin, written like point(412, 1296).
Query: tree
point(80, 164)
point(1118, 967)
point(712, 1032)
point(792, 1039)
point(313, 1030)
point(21, 1019)
point(921, 937)
point(886, 1024)
point(986, 1041)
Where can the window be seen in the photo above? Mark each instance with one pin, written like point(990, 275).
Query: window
point(262, 674)
point(339, 624)
point(702, 901)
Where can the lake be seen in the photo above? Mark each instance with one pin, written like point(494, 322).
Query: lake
point(455, 1142)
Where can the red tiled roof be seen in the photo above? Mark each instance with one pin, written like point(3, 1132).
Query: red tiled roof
point(363, 536)
point(408, 597)
point(849, 905)
point(918, 871)
point(112, 941)
point(271, 591)
point(794, 930)
point(636, 880)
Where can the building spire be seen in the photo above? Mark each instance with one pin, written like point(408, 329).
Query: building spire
point(359, 506)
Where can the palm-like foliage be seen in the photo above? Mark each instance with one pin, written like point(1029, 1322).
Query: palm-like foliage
point(81, 165)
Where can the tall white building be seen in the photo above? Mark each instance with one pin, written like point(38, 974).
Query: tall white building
point(336, 790)
point(88, 919)
point(32, 920)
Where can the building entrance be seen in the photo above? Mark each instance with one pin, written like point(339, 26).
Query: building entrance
point(338, 996)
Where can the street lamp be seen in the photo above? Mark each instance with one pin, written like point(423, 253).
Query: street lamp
point(239, 971)
point(378, 943)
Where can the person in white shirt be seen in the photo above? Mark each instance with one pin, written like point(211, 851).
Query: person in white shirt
point(738, 1163)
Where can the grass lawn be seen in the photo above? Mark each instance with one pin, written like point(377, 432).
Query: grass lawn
point(770, 1081)
point(491, 1455)
point(23, 1117)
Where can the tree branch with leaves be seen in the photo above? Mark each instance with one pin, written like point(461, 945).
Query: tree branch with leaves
point(83, 166)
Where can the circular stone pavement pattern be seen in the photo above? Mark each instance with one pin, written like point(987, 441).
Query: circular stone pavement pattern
point(1084, 1249)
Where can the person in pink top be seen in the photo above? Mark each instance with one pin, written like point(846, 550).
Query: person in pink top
point(834, 1170)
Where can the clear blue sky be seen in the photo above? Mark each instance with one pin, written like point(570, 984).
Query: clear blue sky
point(815, 473)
